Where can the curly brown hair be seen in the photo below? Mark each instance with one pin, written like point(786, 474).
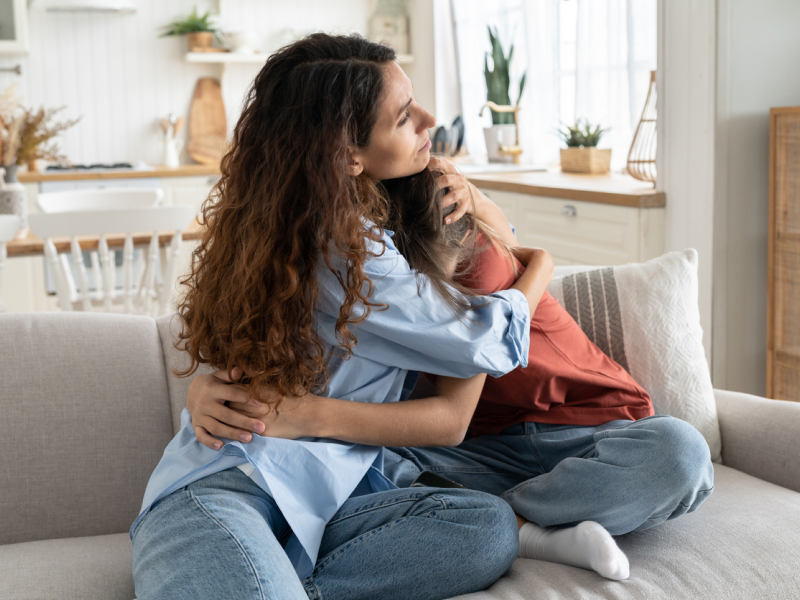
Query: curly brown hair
point(284, 203)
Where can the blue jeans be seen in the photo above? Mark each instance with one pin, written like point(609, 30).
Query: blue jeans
point(625, 475)
point(222, 536)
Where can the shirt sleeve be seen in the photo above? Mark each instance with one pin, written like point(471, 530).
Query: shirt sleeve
point(420, 332)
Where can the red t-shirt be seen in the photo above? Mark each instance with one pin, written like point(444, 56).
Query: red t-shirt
point(568, 380)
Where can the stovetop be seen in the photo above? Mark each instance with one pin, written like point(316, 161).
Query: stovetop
point(95, 167)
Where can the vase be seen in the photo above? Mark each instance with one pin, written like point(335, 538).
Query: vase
point(498, 135)
point(13, 199)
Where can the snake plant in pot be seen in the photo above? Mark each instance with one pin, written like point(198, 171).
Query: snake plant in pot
point(498, 82)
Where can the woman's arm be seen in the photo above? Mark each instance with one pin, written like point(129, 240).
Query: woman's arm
point(440, 420)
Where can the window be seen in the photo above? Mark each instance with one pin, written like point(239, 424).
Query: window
point(586, 59)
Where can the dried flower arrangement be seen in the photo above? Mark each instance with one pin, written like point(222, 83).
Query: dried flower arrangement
point(24, 133)
point(38, 128)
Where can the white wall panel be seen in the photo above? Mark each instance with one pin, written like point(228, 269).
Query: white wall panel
point(115, 73)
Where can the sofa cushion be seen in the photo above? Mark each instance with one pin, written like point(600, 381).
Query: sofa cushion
point(85, 568)
point(168, 328)
point(646, 317)
point(85, 420)
point(742, 543)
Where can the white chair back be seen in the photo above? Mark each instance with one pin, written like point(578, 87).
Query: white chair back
point(99, 199)
point(140, 293)
point(9, 225)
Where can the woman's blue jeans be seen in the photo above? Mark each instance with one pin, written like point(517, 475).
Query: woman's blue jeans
point(625, 475)
point(221, 536)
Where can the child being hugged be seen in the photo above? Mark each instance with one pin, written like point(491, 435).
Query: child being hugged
point(568, 379)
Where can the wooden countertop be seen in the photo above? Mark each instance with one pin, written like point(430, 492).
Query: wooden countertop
point(34, 246)
point(618, 189)
point(182, 171)
point(622, 190)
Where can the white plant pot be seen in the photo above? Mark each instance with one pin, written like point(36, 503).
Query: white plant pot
point(497, 135)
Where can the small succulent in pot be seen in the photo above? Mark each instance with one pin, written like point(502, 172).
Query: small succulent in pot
point(199, 30)
point(581, 134)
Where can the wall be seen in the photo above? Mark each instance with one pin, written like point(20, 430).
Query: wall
point(115, 73)
point(758, 62)
point(686, 143)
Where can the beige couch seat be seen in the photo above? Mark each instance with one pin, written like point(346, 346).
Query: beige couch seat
point(88, 406)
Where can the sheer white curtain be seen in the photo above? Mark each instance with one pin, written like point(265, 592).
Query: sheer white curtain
point(584, 59)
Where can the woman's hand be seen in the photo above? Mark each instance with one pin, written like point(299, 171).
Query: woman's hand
point(206, 401)
point(296, 417)
point(470, 200)
point(462, 192)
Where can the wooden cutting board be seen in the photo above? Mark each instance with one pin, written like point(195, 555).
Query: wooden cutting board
point(208, 126)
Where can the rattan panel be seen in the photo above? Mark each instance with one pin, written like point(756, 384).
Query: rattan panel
point(783, 343)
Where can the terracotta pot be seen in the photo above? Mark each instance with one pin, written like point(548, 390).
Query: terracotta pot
point(200, 39)
point(585, 160)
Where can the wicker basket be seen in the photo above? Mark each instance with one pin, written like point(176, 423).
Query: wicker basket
point(585, 160)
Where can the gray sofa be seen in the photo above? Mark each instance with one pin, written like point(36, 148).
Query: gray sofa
point(88, 405)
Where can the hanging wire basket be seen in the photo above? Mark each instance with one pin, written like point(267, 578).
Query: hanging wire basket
point(642, 155)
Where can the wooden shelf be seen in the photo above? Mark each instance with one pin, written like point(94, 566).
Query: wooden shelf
point(225, 57)
point(236, 57)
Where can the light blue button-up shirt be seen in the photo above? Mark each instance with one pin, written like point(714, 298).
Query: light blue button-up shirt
point(311, 478)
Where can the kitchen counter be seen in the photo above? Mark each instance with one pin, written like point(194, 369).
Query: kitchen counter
point(182, 171)
point(610, 188)
point(621, 190)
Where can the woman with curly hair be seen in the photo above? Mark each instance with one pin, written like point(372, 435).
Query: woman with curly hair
point(298, 286)
point(569, 440)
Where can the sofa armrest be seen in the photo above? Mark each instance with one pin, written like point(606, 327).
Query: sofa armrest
point(760, 437)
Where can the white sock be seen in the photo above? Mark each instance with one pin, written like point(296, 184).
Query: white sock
point(587, 545)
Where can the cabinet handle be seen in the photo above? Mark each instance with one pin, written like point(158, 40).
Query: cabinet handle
point(569, 211)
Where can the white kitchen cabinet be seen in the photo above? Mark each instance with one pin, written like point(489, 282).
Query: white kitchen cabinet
point(583, 233)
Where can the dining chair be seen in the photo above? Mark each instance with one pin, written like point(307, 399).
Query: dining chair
point(51, 202)
point(140, 292)
point(9, 224)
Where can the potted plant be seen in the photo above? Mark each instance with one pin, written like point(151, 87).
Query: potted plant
point(498, 81)
point(581, 154)
point(199, 30)
point(24, 137)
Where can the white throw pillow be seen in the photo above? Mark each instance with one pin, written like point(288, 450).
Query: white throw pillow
point(646, 317)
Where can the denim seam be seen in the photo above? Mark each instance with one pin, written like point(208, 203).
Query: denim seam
point(311, 589)
point(358, 539)
point(249, 562)
point(468, 470)
point(682, 504)
point(371, 507)
point(536, 453)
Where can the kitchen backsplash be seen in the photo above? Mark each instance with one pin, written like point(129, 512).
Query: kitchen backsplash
point(115, 73)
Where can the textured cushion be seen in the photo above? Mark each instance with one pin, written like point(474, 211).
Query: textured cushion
point(168, 328)
point(647, 318)
point(85, 419)
point(86, 568)
point(760, 437)
point(741, 544)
